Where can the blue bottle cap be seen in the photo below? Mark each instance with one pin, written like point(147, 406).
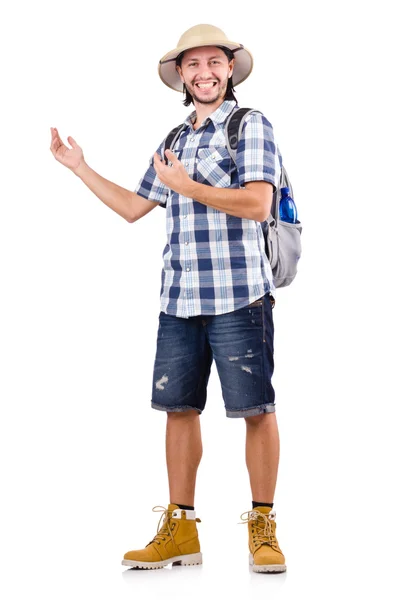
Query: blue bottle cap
point(285, 191)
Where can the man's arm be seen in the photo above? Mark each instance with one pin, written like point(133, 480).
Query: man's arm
point(125, 203)
point(252, 202)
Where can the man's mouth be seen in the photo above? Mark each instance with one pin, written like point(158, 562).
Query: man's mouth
point(207, 85)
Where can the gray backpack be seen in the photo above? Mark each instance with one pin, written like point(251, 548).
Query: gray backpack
point(282, 239)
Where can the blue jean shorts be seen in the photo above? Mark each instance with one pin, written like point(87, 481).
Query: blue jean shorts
point(241, 342)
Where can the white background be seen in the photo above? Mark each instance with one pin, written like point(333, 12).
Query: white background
point(82, 452)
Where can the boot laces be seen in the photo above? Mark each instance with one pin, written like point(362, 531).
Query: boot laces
point(164, 530)
point(263, 531)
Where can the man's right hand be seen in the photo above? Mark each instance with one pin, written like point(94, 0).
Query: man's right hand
point(71, 158)
point(125, 203)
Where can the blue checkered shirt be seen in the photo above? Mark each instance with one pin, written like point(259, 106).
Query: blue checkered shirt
point(213, 262)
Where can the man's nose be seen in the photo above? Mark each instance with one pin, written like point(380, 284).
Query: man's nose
point(205, 73)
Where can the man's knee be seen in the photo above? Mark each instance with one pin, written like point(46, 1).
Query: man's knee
point(262, 418)
point(189, 413)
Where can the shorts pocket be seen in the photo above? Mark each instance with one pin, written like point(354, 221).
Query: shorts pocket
point(267, 321)
point(263, 323)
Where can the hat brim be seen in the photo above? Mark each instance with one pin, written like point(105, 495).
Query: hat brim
point(244, 63)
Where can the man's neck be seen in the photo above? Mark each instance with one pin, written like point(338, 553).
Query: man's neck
point(204, 110)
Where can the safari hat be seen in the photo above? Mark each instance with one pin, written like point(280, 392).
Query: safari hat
point(204, 35)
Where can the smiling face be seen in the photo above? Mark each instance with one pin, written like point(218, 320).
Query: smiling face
point(205, 72)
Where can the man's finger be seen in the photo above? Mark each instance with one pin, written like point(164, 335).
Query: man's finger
point(157, 162)
point(171, 156)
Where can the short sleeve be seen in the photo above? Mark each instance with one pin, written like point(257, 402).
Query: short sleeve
point(257, 156)
point(150, 186)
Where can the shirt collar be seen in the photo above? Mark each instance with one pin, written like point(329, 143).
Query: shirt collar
point(218, 116)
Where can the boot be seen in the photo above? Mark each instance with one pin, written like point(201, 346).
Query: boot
point(176, 541)
point(265, 555)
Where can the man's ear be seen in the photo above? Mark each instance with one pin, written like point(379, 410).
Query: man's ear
point(178, 68)
point(231, 64)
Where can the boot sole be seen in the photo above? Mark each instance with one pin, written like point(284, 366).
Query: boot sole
point(266, 568)
point(185, 560)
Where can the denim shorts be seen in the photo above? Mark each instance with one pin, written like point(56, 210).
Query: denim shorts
point(241, 342)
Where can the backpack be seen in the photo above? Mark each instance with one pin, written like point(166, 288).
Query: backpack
point(282, 239)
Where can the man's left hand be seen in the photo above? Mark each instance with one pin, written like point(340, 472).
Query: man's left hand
point(175, 177)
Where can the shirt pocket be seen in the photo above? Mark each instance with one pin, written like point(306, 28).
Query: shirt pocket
point(213, 166)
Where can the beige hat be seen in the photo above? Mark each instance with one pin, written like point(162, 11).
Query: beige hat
point(204, 35)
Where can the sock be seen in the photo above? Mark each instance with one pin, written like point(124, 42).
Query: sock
point(184, 506)
point(255, 504)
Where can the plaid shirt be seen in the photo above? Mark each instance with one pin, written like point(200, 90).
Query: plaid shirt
point(213, 262)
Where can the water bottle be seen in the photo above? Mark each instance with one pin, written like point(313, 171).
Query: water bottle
point(288, 210)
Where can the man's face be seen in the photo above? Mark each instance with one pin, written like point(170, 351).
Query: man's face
point(205, 72)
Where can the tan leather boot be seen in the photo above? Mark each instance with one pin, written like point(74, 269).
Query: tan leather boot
point(265, 555)
point(176, 541)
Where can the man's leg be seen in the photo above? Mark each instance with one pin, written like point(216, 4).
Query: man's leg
point(262, 455)
point(177, 539)
point(183, 451)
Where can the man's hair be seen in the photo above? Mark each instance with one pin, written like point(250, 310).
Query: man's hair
point(229, 90)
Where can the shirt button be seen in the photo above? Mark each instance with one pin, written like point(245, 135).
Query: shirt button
point(188, 269)
point(186, 164)
point(186, 243)
point(184, 216)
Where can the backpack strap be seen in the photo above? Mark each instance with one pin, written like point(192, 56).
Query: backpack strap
point(169, 144)
point(171, 139)
point(233, 127)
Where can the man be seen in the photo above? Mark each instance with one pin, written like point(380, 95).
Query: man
point(216, 299)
